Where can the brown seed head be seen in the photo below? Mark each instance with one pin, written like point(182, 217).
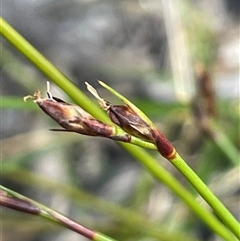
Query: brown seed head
point(71, 117)
point(129, 121)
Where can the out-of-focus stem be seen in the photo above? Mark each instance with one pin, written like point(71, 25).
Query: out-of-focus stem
point(225, 145)
point(16, 201)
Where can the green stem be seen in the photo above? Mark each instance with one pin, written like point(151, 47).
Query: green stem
point(102, 237)
point(148, 161)
point(129, 218)
point(207, 194)
point(191, 176)
point(225, 145)
point(161, 174)
point(50, 214)
point(59, 78)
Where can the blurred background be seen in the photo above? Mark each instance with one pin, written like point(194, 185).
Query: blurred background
point(178, 61)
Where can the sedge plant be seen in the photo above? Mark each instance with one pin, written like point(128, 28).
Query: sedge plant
point(128, 124)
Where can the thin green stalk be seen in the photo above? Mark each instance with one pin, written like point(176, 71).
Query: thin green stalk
point(101, 237)
point(207, 194)
point(224, 144)
point(161, 174)
point(30, 206)
point(58, 77)
point(191, 176)
point(131, 219)
point(149, 162)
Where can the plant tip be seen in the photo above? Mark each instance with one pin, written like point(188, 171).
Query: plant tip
point(48, 91)
point(101, 101)
point(101, 82)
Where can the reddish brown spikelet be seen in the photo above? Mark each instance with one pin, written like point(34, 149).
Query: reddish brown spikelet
point(130, 121)
point(164, 146)
point(71, 117)
point(74, 119)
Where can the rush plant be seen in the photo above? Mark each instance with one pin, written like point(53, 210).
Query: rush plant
point(125, 123)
